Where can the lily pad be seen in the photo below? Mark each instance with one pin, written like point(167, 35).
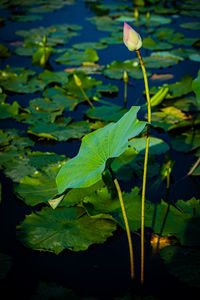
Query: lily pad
point(64, 228)
point(196, 87)
point(4, 51)
point(60, 131)
point(39, 186)
point(186, 141)
point(151, 44)
point(75, 57)
point(116, 69)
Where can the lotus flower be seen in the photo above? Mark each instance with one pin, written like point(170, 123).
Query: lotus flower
point(131, 38)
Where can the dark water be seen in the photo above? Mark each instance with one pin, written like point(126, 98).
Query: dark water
point(103, 270)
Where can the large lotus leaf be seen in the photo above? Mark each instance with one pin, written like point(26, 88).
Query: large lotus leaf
point(196, 87)
point(60, 131)
point(39, 186)
point(75, 57)
point(64, 228)
point(97, 147)
point(151, 44)
point(183, 263)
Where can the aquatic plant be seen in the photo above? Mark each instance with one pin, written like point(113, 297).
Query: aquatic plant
point(133, 42)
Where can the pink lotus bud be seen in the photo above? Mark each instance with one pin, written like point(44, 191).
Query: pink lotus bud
point(131, 38)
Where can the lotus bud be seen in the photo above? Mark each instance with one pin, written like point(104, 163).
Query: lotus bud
point(125, 76)
point(136, 13)
point(77, 80)
point(148, 16)
point(131, 38)
point(44, 40)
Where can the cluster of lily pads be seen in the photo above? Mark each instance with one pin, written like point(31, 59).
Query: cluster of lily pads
point(42, 100)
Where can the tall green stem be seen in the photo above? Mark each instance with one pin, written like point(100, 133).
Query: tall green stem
point(119, 192)
point(125, 94)
point(145, 163)
point(86, 97)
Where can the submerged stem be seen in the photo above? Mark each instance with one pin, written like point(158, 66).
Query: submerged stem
point(145, 163)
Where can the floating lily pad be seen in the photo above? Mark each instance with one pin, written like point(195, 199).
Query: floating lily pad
point(156, 146)
point(26, 18)
point(109, 112)
point(116, 69)
point(161, 60)
point(186, 141)
point(191, 25)
point(151, 44)
point(75, 57)
point(4, 51)
point(56, 77)
point(64, 228)
point(9, 110)
point(196, 87)
point(60, 131)
point(38, 187)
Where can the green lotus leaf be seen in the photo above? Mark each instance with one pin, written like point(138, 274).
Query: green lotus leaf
point(39, 186)
point(92, 45)
point(107, 112)
point(61, 131)
point(151, 44)
point(64, 228)
point(61, 96)
point(26, 18)
point(161, 60)
point(194, 57)
point(186, 141)
point(191, 25)
point(4, 51)
point(116, 69)
point(97, 147)
point(9, 110)
point(196, 87)
point(54, 77)
point(75, 57)
point(156, 145)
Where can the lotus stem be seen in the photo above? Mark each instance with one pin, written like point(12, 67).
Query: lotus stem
point(126, 226)
point(86, 97)
point(119, 192)
point(145, 163)
point(194, 167)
